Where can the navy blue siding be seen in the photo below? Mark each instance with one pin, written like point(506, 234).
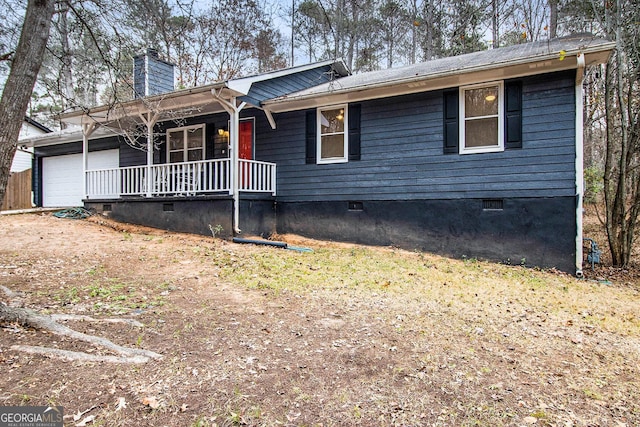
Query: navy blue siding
point(130, 156)
point(402, 158)
point(290, 83)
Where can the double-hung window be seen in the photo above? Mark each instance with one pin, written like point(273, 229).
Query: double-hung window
point(332, 135)
point(185, 144)
point(482, 118)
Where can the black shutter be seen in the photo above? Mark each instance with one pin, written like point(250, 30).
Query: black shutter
point(451, 126)
point(209, 141)
point(354, 132)
point(311, 137)
point(513, 115)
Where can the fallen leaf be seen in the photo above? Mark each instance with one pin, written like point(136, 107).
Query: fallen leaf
point(183, 408)
point(151, 402)
point(122, 404)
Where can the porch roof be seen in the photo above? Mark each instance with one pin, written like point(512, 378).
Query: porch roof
point(65, 136)
point(502, 63)
point(200, 100)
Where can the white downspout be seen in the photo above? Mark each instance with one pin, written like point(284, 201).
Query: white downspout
point(233, 109)
point(235, 162)
point(579, 160)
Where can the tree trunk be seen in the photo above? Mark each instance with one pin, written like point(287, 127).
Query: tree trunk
point(621, 186)
point(495, 24)
point(22, 77)
point(428, 23)
point(553, 18)
point(25, 317)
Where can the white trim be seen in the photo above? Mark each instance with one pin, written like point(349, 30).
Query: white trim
point(87, 130)
point(185, 148)
point(232, 107)
point(270, 119)
point(345, 133)
point(579, 160)
point(463, 120)
point(430, 79)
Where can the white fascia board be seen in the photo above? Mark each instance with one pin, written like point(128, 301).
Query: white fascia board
point(165, 102)
point(64, 137)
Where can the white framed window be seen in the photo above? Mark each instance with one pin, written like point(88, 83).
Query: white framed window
point(482, 118)
point(185, 144)
point(332, 139)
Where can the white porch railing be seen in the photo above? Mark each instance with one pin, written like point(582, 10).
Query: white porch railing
point(189, 178)
point(257, 177)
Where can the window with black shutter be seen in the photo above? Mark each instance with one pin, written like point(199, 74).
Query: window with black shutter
point(333, 134)
point(483, 118)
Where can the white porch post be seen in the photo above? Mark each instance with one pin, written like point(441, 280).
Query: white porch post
point(150, 120)
point(233, 109)
point(87, 130)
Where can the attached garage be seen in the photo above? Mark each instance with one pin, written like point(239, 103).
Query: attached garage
point(62, 176)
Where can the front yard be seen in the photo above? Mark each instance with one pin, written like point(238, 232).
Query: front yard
point(344, 335)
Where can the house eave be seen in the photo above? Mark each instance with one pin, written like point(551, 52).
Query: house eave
point(333, 93)
point(186, 102)
point(64, 137)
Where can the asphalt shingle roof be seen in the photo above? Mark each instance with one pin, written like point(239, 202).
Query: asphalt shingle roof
point(526, 52)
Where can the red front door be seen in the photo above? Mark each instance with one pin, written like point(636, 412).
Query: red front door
point(246, 140)
point(245, 151)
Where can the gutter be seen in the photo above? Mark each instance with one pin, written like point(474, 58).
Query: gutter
point(579, 160)
point(420, 78)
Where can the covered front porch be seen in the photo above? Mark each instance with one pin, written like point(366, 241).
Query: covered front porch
point(176, 161)
point(204, 177)
point(190, 152)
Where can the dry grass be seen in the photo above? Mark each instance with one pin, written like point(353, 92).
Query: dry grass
point(344, 335)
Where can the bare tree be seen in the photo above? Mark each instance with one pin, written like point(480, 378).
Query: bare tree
point(267, 50)
point(465, 34)
point(622, 107)
point(394, 26)
point(25, 64)
point(529, 21)
point(310, 24)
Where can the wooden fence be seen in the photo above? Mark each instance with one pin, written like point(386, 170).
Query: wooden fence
point(18, 193)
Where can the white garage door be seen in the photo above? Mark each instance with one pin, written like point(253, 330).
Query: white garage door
point(62, 176)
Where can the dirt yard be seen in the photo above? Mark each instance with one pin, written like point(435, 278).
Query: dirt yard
point(344, 335)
